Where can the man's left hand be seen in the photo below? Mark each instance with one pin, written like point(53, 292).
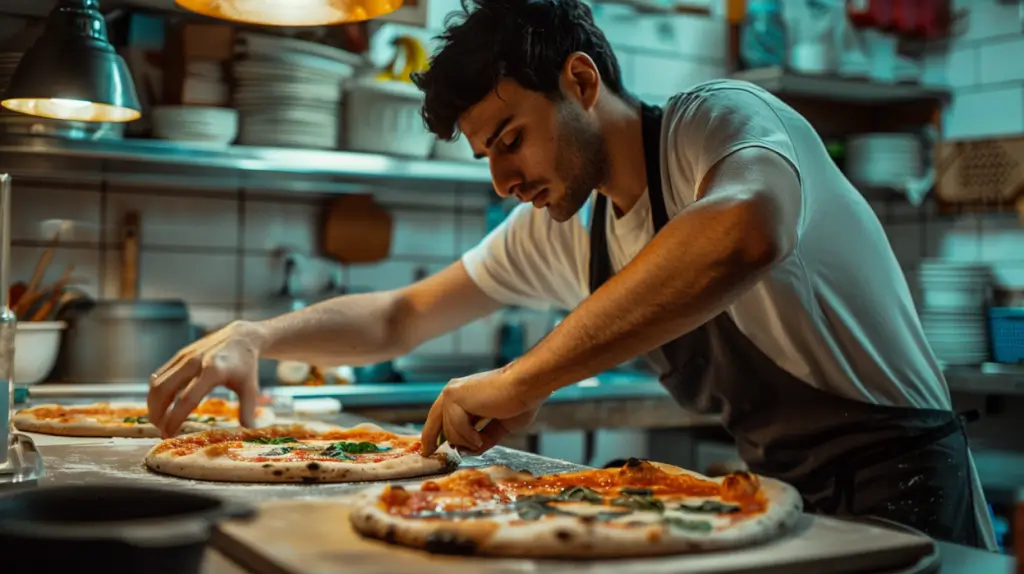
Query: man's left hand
point(465, 402)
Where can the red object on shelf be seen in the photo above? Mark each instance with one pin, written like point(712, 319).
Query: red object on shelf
point(871, 13)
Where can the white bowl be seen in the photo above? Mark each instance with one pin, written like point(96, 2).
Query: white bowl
point(36, 345)
point(200, 124)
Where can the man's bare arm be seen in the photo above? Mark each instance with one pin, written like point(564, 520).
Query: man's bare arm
point(744, 222)
point(372, 327)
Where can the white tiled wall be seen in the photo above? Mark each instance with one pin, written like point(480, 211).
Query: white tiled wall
point(983, 65)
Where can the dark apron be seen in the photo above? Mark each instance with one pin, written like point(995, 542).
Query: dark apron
point(846, 457)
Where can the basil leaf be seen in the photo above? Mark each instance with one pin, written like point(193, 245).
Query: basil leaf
point(274, 440)
point(609, 515)
point(336, 453)
point(130, 420)
point(142, 420)
point(455, 514)
point(279, 451)
point(640, 503)
point(359, 447)
point(697, 526)
point(211, 420)
point(533, 509)
point(580, 494)
point(711, 507)
point(636, 491)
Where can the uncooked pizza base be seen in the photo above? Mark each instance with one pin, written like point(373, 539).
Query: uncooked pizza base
point(88, 426)
point(640, 534)
point(212, 462)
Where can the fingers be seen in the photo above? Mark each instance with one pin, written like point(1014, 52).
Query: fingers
point(491, 435)
point(163, 388)
point(189, 400)
point(431, 429)
point(248, 393)
point(458, 427)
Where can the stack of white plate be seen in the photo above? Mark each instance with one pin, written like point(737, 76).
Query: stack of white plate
point(954, 297)
point(196, 124)
point(883, 160)
point(288, 92)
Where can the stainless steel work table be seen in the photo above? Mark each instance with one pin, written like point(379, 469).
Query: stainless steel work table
point(121, 460)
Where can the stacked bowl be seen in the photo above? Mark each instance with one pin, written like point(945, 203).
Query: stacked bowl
point(954, 296)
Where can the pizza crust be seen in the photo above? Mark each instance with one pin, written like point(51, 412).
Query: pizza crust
point(569, 537)
point(25, 421)
point(201, 466)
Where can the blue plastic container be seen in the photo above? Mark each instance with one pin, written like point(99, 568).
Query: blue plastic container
point(1007, 329)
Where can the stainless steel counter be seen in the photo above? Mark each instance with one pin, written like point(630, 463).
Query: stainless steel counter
point(607, 386)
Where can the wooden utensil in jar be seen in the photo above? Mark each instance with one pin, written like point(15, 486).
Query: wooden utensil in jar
point(31, 294)
point(357, 230)
point(56, 292)
point(130, 231)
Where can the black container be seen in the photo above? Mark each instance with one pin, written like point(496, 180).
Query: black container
point(116, 528)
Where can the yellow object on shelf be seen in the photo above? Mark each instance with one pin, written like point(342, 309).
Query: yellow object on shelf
point(416, 60)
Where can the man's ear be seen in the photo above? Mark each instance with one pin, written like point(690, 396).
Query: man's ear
point(581, 80)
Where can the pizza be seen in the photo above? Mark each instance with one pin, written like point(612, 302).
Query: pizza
point(127, 419)
point(640, 509)
point(298, 453)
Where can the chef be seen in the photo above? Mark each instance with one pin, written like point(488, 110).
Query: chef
point(714, 235)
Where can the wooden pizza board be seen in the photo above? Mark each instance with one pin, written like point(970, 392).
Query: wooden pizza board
point(314, 537)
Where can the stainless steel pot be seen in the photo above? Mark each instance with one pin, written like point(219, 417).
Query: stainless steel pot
point(120, 340)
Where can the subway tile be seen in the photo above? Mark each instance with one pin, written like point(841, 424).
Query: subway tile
point(1009, 273)
point(212, 317)
point(180, 220)
point(479, 337)
point(673, 35)
point(1002, 238)
point(906, 242)
point(423, 233)
point(385, 275)
point(85, 276)
point(32, 206)
point(659, 77)
point(1001, 61)
point(197, 278)
point(280, 225)
point(627, 66)
point(962, 67)
point(263, 279)
point(988, 19)
point(957, 239)
point(985, 113)
point(413, 197)
point(477, 197)
point(443, 345)
point(472, 228)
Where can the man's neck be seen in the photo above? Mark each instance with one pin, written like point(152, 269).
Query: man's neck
point(623, 136)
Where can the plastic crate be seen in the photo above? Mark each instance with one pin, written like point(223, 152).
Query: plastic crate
point(1007, 327)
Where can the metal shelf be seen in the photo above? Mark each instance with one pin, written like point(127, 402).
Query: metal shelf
point(841, 89)
point(174, 164)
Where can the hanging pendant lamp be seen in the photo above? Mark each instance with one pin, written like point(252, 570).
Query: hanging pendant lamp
point(72, 72)
point(292, 12)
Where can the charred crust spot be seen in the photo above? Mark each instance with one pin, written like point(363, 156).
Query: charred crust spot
point(587, 519)
point(279, 472)
point(447, 542)
point(633, 462)
point(563, 535)
point(389, 534)
point(313, 466)
point(308, 479)
point(267, 465)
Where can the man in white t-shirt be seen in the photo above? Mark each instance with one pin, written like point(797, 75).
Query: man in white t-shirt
point(715, 235)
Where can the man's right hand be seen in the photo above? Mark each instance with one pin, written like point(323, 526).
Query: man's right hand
point(228, 357)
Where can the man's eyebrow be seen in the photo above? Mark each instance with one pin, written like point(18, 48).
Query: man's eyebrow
point(494, 135)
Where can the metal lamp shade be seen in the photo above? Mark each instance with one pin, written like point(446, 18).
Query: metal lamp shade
point(72, 72)
point(292, 12)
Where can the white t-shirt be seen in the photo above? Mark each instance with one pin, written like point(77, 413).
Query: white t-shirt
point(837, 313)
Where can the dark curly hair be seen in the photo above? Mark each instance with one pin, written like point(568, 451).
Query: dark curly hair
point(526, 41)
